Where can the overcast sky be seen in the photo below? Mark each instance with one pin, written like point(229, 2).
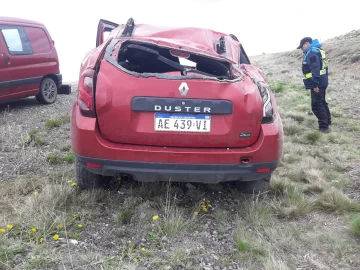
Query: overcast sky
point(261, 25)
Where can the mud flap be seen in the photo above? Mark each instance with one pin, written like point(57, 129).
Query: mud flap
point(65, 89)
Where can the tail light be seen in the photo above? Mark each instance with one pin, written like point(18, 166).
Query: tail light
point(268, 112)
point(85, 98)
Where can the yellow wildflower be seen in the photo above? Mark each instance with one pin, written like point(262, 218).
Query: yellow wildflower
point(196, 213)
point(56, 237)
point(2, 230)
point(155, 217)
point(80, 225)
point(41, 239)
point(33, 230)
point(143, 249)
point(10, 226)
point(70, 181)
point(135, 260)
point(73, 184)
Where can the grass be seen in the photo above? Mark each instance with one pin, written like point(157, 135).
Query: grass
point(54, 159)
point(334, 200)
point(277, 87)
point(153, 225)
point(173, 220)
point(127, 211)
point(355, 225)
point(33, 138)
point(53, 123)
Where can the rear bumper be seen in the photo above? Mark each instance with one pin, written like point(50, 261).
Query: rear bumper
point(179, 172)
point(197, 164)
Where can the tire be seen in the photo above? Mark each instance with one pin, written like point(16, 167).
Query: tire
point(86, 179)
point(48, 91)
point(256, 187)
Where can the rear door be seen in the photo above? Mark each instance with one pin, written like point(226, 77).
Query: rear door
point(103, 31)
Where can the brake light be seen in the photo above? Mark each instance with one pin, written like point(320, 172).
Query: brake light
point(268, 112)
point(86, 93)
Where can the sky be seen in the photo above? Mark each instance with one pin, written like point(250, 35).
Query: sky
point(262, 26)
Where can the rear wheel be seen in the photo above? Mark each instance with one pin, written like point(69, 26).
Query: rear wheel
point(86, 179)
point(48, 91)
point(257, 186)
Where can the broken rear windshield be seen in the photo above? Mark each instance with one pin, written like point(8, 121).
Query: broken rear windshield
point(148, 58)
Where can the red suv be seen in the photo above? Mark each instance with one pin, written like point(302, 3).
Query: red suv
point(178, 104)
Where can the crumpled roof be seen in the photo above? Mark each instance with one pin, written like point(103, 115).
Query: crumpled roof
point(193, 39)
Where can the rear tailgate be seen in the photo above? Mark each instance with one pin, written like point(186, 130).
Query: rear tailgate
point(175, 112)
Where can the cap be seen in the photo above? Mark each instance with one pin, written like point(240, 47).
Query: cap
point(303, 41)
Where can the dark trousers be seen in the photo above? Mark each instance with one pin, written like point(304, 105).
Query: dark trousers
point(320, 108)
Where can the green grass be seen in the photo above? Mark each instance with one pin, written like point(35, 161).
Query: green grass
point(313, 136)
point(54, 159)
point(355, 225)
point(53, 123)
point(8, 252)
point(277, 87)
point(69, 158)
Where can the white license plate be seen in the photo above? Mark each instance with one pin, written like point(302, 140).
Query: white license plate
point(182, 122)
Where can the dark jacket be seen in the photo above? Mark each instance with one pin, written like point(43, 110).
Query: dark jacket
point(312, 65)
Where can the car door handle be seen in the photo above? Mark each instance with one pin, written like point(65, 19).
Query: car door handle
point(6, 59)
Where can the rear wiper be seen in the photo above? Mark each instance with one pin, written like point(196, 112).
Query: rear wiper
point(171, 62)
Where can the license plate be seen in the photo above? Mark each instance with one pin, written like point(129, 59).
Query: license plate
point(182, 122)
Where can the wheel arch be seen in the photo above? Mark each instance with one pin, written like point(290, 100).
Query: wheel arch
point(53, 77)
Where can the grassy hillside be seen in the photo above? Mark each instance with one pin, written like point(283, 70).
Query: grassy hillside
point(309, 219)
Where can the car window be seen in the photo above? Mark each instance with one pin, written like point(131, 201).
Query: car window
point(243, 57)
point(16, 40)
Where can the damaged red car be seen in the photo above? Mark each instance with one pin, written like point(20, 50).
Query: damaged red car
point(173, 104)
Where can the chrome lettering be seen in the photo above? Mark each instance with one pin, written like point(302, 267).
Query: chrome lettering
point(169, 108)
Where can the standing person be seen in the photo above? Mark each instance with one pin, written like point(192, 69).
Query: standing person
point(315, 70)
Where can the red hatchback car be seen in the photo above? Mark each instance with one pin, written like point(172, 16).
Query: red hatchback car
point(173, 104)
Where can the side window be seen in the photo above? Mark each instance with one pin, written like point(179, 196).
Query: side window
point(243, 57)
point(16, 40)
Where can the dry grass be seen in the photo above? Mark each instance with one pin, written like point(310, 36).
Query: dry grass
point(262, 232)
point(306, 220)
